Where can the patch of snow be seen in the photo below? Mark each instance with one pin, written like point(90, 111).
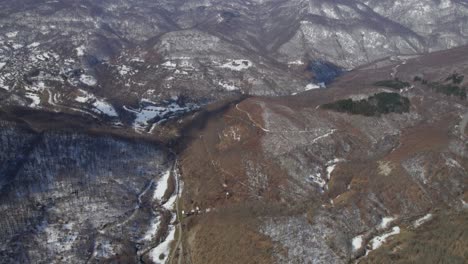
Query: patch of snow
point(228, 87)
point(317, 178)
point(386, 221)
point(160, 254)
point(378, 241)
point(331, 165)
point(422, 220)
point(154, 226)
point(161, 186)
point(88, 80)
point(296, 62)
point(82, 99)
point(2, 85)
point(312, 86)
point(85, 97)
point(169, 64)
point(237, 65)
point(464, 204)
point(323, 136)
point(329, 11)
point(11, 34)
point(17, 46)
point(34, 45)
point(2, 64)
point(124, 70)
point(169, 205)
point(137, 60)
point(150, 112)
point(102, 107)
point(357, 242)
point(36, 100)
point(68, 226)
point(80, 51)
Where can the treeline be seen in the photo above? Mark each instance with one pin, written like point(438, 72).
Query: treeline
point(381, 103)
point(394, 84)
point(450, 87)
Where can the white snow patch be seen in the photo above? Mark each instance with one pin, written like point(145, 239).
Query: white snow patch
point(11, 34)
point(102, 107)
point(82, 99)
point(169, 64)
point(2, 85)
point(296, 62)
point(36, 100)
point(317, 178)
point(357, 242)
point(378, 241)
point(169, 205)
point(80, 51)
point(160, 254)
point(124, 70)
point(464, 204)
point(88, 80)
point(330, 169)
point(422, 220)
point(312, 86)
point(85, 97)
point(34, 45)
point(386, 221)
point(149, 112)
point(2, 64)
point(331, 165)
point(154, 226)
point(228, 87)
point(161, 186)
point(237, 65)
point(17, 46)
point(323, 136)
point(136, 59)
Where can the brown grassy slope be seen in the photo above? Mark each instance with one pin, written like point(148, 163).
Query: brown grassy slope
point(442, 240)
point(218, 164)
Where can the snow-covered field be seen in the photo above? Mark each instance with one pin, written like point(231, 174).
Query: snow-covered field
point(102, 107)
point(99, 105)
point(161, 186)
point(151, 113)
point(160, 254)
